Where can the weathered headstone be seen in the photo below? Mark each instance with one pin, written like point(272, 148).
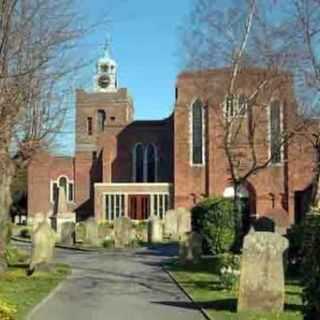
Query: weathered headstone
point(80, 232)
point(262, 273)
point(91, 233)
point(171, 224)
point(43, 243)
point(67, 236)
point(190, 247)
point(155, 229)
point(177, 222)
point(123, 232)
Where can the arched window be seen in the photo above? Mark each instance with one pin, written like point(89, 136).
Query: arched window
point(101, 119)
point(150, 160)
point(64, 183)
point(197, 133)
point(275, 132)
point(138, 155)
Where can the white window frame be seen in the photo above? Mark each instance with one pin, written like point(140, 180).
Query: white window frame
point(69, 181)
point(159, 212)
point(236, 108)
point(269, 133)
point(191, 135)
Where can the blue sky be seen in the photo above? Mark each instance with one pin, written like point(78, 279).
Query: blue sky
point(145, 44)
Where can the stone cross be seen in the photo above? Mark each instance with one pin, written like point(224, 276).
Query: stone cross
point(262, 286)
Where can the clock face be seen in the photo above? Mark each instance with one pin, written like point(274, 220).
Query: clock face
point(104, 81)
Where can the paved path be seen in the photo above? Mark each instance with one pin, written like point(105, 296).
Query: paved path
point(127, 285)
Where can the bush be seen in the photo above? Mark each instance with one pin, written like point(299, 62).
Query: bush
point(6, 230)
point(108, 243)
point(25, 233)
point(15, 256)
point(311, 266)
point(229, 271)
point(7, 311)
point(214, 219)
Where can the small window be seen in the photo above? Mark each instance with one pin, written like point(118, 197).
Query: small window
point(112, 118)
point(89, 126)
point(235, 106)
point(101, 119)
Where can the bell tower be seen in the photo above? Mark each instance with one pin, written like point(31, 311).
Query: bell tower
point(105, 79)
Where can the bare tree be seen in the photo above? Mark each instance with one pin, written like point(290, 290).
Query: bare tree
point(303, 17)
point(251, 45)
point(37, 42)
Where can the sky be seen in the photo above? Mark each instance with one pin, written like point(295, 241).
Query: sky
point(145, 44)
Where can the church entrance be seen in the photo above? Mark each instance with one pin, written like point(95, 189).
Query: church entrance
point(139, 206)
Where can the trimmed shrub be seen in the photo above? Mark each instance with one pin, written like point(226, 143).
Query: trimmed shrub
point(214, 219)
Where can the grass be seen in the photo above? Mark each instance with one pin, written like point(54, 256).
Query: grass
point(202, 283)
point(23, 292)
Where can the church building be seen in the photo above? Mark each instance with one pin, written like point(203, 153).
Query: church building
point(127, 167)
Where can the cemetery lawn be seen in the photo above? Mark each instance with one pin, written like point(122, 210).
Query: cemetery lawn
point(23, 292)
point(203, 285)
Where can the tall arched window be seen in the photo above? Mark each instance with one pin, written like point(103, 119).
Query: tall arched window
point(275, 132)
point(150, 166)
point(138, 160)
point(197, 137)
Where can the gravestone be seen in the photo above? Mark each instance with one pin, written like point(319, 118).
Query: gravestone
point(155, 229)
point(91, 232)
point(80, 232)
point(177, 222)
point(190, 247)
point(43, 243)
point(171, 224)
point(262, 286)
point(123, 232)
point(67, 236)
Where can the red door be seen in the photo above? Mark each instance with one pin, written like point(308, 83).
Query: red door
point(139, 206)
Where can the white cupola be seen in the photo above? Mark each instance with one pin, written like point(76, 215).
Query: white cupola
point(106, 75)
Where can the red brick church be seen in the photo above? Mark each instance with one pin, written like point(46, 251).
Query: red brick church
point(126, 167)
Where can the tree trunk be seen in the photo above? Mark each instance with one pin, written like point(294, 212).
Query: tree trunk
point(237, 218)
point(6, 174)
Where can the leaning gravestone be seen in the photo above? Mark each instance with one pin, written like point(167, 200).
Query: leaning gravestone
point(155, 229)
point(43, 243)
point(262, 275)
point(190, 247)
point(123, 232)
point(67, 236)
